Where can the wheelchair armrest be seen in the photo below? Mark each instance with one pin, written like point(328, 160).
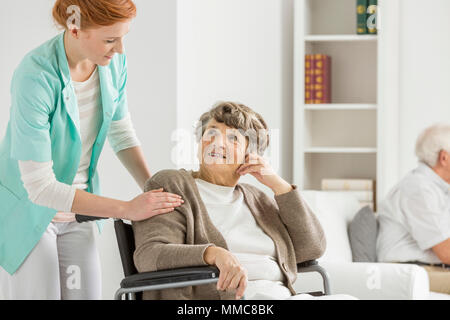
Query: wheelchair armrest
point(170, 276)
point(307, 264)
point(313, 266)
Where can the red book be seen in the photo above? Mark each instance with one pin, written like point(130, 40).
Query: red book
point(309, 83)
point(327, 79)
point(322, 78)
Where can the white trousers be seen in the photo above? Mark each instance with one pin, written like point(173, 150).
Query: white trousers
point(63, 265)
point(302, 296)
point(276, 290)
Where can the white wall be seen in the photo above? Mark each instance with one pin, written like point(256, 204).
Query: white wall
point(424, 95)
point(32, 25)
point(239, 51)
point(413, 81)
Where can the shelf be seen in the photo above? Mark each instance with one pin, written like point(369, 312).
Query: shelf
point(340, 128)
point(320, 166)
point(353, 69)
point(339, 37)
point(340, 150)
point(328, 16)
point(338, 139)
point(341, 106)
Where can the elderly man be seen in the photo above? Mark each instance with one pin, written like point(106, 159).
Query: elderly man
point(415, 216)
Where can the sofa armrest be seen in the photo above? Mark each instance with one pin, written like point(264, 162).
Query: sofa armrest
point(370, 281)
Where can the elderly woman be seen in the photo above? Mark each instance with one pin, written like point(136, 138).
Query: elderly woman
point(415, 216)
point(254, 240)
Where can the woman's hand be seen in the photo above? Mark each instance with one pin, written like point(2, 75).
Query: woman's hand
point(232, 274)
point(152, 203)
point(258, 167)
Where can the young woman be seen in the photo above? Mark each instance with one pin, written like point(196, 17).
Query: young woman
point(68, 95)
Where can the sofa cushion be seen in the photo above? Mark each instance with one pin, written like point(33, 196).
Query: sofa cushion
point(363, 235)
point(335, 210)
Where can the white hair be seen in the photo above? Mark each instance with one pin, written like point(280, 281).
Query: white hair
point(431, 141)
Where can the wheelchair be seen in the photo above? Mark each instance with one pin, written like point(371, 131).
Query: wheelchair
point(135, 283)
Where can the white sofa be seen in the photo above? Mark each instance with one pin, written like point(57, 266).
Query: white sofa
point(335, 210)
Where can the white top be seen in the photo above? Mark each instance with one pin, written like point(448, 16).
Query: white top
point(414, 217)
point(90, 109)
point(38, 177)
point(254, 249)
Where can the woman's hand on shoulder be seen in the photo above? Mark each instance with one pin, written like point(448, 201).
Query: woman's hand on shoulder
point(233, 276)
point(151, 203)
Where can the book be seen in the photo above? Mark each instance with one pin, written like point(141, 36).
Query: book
point(322, 78)
point(309, 61)
point(372, 16)
point(361, 16)
point(364, 190)
point(348, 184)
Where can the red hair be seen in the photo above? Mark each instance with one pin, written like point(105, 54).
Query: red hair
point(93, 13)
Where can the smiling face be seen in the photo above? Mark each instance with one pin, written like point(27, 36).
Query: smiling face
point(100, 44)
point(222, 148)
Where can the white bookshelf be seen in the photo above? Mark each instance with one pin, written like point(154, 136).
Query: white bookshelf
point(339, 150)
point(337, 140)
point(339, 38)
point(341, 106)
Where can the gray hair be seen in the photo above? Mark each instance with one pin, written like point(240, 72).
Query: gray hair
point(431, 141)
point(241, 117)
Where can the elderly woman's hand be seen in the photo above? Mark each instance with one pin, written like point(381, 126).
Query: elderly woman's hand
point(258, 167)
point(232, 274)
